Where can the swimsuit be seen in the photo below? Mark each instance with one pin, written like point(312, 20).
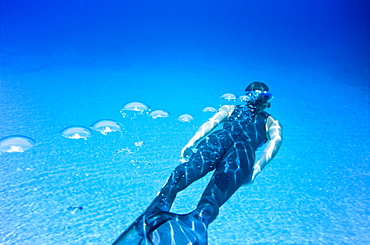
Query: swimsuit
point(229, 151)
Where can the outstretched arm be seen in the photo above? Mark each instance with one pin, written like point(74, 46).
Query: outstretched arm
point(223, 113)
point(275, 135)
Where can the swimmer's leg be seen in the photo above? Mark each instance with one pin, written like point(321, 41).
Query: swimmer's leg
point(230, 174)
point(202, 162)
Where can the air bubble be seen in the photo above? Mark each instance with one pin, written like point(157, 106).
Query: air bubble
point(243, 98)
point(227, 99)
point(159, 114)
point(185, 118)
point(126, 150)
point(16, 143)
point(76, 132)
point(133, 108)
point(228, 96)
point(139, 144)
point(106, 126)
point(209, 109)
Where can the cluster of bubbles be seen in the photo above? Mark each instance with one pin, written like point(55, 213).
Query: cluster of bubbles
point(134, 109)
point(20, 143)
point(127, 150)
point(81, 132)
point(130, 110)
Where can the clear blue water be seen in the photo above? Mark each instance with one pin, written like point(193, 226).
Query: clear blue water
point(75, 62)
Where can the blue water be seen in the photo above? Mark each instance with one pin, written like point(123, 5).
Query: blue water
point(74, 62)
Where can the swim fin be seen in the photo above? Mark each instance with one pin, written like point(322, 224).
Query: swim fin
point(165, 229)
point(170, 228)
point(135, 234)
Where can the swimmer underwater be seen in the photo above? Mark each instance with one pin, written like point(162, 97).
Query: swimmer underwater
point(229, 152)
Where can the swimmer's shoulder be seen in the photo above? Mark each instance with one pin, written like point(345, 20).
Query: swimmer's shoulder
point(272, 121)
point(227, 110)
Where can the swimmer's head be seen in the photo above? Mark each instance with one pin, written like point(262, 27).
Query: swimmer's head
point(257, 86)
point(259, 95)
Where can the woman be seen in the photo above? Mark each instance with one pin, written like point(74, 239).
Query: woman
point(230, 152)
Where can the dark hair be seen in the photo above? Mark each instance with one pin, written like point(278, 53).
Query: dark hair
point(257, 86)
point(259, 103)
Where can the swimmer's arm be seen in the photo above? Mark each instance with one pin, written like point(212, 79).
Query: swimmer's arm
point(275, 135)
point(223, 113)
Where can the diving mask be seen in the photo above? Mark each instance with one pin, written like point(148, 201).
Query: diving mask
point(253, 95)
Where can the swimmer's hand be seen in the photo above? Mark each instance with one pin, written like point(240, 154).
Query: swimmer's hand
point(256, 171)
point(186, 153)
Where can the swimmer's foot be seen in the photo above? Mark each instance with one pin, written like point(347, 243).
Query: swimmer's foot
point(169, 228)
